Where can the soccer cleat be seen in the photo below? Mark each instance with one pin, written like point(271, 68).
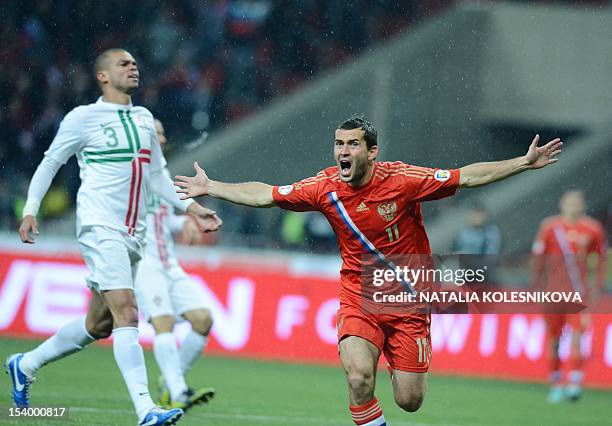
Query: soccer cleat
point(164, 392)
point(573, 392)
point(191, 397)
point(159, 417)
point(21, 381)
point(556, 395)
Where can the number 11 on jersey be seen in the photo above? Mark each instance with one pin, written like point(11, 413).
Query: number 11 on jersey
point(393, 233)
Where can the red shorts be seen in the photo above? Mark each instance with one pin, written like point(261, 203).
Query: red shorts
point(403, 339)
point(555, 323)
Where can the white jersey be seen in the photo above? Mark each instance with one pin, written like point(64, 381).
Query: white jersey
point(162, 222)
point(162, 287)
point(118, 153)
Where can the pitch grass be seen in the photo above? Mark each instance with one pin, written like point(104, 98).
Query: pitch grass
point(251, 392)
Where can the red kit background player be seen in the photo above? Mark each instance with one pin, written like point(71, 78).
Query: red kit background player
point(562, 248)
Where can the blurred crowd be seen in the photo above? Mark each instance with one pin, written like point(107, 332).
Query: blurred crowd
point(204, 64)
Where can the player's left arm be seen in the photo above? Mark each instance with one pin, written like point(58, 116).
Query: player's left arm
point(176, 222)
point(480, 174)
point(206, 219)
point(600, 250)
point(160, 183)
point(186, 226)
point(190, 232)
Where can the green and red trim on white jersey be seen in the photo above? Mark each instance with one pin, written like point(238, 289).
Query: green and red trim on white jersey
point(134, 154)
point(130, 220)
point(159, 218)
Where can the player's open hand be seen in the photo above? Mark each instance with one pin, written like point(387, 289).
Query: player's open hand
point(541, 156)
point(28, 229)
point(206, 219)
point(194, 186)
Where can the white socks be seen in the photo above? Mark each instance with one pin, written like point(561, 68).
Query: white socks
point(69, 339)
point(130, 359)
point(167, 356)
point(191, 349)
point(73, 337)
point(175, 363)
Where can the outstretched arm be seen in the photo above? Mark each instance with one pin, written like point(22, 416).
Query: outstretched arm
point(254, 194)
point(479, 174)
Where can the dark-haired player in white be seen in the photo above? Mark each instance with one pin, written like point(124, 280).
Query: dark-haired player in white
point(117, 150)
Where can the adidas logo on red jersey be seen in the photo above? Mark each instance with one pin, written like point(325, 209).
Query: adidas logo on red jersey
point(362, 207)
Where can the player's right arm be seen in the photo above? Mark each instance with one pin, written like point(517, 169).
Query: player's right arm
point(254, 194)
point(65, 144)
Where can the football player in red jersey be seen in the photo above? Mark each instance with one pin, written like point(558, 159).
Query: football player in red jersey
point(374, 208)
point(562, 246)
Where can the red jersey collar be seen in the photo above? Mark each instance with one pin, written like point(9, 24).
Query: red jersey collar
point(365, 186)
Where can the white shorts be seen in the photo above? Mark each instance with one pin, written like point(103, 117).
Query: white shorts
point(111, 256)
point(161, 292)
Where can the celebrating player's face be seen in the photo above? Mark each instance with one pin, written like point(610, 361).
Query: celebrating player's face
point(122, 72)
point(352, 155)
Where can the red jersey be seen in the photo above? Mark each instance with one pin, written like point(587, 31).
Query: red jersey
point(385, 212)
point(562, 249)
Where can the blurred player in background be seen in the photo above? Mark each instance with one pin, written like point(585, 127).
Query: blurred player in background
point(479, 236)
point(120, 160)
point(164, 292)
point(374, 208)
point(480, 243)
point(562, 247)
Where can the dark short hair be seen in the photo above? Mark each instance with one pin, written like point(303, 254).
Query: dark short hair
point(360, 122)
point(101, 62)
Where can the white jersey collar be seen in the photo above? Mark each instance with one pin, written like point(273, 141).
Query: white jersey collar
point(101, 101)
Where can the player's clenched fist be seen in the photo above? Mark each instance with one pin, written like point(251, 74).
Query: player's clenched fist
point(190, 232)
point(206, 219)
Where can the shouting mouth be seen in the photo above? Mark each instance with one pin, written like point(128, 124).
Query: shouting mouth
point(345, 168)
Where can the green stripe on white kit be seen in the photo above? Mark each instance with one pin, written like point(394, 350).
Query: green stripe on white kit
point(133, 126)
point(109, 160)
point(118, 155)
